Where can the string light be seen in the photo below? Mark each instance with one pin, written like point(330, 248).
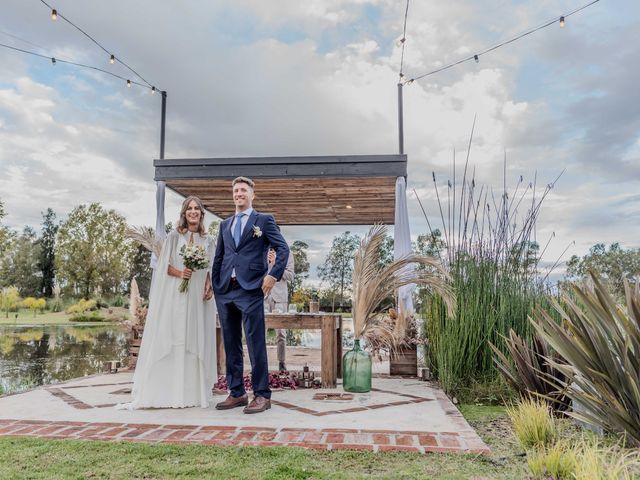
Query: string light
point(475, 57)
point(400, 41)
point(54, 14)
point(129, 83)
point(153, 89)
point(75, 64)
point(506, 42)
point(112, 59)
point(95, 41)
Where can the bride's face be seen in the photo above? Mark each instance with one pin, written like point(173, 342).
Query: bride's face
point(193, 213)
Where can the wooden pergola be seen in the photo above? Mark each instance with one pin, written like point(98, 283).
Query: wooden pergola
point(310, 190)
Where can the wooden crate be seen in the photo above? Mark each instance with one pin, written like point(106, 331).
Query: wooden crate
point(404, 362)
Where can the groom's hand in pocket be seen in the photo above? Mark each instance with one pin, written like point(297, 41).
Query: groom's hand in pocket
point(267, 284)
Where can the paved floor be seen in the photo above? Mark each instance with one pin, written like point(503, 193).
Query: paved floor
point(398, 414)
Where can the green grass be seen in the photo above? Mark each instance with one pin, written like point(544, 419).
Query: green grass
point(39, 458)
point(25, 317)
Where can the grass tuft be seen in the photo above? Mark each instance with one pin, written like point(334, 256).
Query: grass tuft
point(533, 423)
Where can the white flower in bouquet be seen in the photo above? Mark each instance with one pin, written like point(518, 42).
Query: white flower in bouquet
point(194, 257)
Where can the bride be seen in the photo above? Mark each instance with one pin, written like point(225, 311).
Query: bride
point(177, 360)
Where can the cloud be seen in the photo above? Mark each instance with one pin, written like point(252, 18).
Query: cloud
point(319, 77)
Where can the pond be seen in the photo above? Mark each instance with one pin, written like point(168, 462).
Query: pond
point(31, 356)
point(43, 355)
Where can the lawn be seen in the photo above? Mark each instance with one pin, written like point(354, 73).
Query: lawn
point(26, 317)
point(37, 458)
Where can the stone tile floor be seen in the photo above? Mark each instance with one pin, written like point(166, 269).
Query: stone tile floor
point(398, 414)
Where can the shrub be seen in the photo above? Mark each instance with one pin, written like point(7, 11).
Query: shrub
point(82, 306)
point(34, 304)
point(533, 423)
point(87, 317)
point(118, 301)
point(558, 462)
point(101, 303)
point(599, 344)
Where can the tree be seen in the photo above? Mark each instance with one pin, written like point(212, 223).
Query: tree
point(9, 298)
point(338, 266)
point(91, 251)
point(47, 242)
point(19, 266)
point(430, 244)
point(34, 304)
point(300, 265)
point(386, 251)
point(613, 265)
point(6, 235)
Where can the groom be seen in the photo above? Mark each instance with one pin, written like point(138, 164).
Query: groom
point(240, 282)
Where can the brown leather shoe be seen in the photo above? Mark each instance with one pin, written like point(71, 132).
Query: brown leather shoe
point(233, 402)
point(257, 405)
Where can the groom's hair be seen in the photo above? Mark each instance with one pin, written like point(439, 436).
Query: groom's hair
point(246, 180)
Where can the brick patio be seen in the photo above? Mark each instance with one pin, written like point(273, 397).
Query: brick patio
point(397, 415)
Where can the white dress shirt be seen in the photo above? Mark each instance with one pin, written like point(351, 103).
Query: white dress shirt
point(244, 220)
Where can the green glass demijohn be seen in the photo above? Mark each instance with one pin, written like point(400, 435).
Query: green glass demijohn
point(356, 370)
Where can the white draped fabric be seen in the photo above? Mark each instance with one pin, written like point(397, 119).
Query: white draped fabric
point(177, 360)
point(402, 240)
point(160, 234)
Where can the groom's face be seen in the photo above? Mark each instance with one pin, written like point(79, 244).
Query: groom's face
point(242, 196)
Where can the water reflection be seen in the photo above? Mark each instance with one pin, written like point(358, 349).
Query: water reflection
point(45, 355)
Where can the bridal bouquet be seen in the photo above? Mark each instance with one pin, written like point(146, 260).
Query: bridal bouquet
point(194, 258)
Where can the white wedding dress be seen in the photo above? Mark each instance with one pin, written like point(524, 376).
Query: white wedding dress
point(176, 365)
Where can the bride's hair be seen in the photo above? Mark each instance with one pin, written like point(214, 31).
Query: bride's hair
point(183, 226)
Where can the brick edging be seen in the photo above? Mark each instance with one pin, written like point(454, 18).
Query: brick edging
point(323, 439)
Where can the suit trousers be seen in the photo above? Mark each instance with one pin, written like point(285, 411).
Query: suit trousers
point(239, 308)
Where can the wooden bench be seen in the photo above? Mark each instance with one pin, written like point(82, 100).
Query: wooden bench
point(330, 326)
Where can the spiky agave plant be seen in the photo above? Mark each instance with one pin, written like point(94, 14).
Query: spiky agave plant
point(527, 370)
point(373, 283)
point(599, 346)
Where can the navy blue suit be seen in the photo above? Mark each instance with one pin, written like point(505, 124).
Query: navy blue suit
point(241, 303)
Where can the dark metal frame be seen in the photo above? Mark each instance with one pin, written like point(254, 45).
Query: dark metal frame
point(394, 165)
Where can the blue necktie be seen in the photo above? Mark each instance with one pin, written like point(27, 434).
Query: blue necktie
point(237, 231)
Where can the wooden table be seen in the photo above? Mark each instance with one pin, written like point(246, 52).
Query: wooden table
point(330, 326)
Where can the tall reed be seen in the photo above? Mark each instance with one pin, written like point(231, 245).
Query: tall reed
point(493, 256)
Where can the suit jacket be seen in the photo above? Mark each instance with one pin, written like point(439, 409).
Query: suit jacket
point(280, 292)
point(249, 257)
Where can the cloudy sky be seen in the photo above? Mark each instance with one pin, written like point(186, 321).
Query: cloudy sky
point(285, 77)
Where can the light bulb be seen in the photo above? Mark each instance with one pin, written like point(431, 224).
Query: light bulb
point(129, 83)
point(54, 14)
point(400, 41)
point(561, 22)
point(475, 57)
point(153, 89)
point(53, 60)
point(112, 58)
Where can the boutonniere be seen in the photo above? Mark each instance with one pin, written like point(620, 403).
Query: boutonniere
point(256, 231)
